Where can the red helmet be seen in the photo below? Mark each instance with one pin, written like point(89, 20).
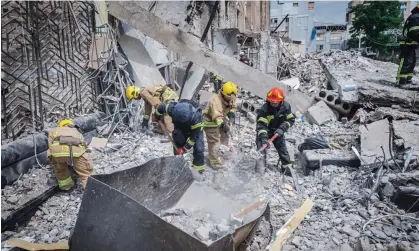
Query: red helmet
point(275, 95)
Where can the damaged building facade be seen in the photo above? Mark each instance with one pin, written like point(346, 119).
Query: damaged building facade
point(353, 186)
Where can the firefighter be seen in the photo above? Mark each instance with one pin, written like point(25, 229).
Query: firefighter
point(59, 154)
point(243, 58)
point(218, 119)
point(408, 47)
point(275, 117)
point(153, 96)
point(187, 133)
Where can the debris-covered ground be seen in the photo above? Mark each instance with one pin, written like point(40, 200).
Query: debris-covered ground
point(353, 205)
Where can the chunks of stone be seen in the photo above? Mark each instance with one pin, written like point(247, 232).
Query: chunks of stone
point(373, 137)
point(320, 114)
point(202, 233)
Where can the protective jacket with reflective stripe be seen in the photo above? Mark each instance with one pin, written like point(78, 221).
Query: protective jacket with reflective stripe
point(269, 119)
point(186, 117)
point(411, 28)
point(154, 95)
point(56, 149)
point(217, 110)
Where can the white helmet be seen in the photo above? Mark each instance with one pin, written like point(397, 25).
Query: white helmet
point(242, 53)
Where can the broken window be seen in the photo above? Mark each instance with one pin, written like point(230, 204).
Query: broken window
point(319, 36)
point(310, 5)
point(319, 47)
point(295, 5)
point(335, 36)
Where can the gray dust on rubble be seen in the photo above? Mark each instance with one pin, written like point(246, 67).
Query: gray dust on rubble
point(26, 188)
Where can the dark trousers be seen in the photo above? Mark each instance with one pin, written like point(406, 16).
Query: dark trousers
point(281, 148)
point(406, 64)
point(180, 137)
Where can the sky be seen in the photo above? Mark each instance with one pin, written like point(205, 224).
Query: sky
point(330, 11)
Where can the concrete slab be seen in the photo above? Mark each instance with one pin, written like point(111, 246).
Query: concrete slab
point(373, 136)
point(320, 113)
point(294, 83)
point(313, 159)
point(359, 71)
point(193, 50)
point(193, 82)
point(409, 132)
point(145, 71)
point(158, 52)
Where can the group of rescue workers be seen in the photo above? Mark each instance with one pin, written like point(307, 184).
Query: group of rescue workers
point(183, 121)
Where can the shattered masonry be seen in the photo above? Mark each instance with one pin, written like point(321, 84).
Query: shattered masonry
point(351, 193)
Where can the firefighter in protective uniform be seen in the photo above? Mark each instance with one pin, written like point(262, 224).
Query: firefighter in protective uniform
point(59, 154)
point(153, 96)
point(187, 134)
point(275, 117)
point(218, 118)
point(408, 47)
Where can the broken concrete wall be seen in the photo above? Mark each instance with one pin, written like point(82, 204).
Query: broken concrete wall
point(191, 48)
point(268, 54)
point(224, 41)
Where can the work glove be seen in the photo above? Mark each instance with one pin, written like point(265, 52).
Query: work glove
point(280, 132)
point(226, 128)
point(144, 124)
point(180, 151)
point(263, 140)
point(231, 117)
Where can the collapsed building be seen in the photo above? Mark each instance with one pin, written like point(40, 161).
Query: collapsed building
point(353, 143)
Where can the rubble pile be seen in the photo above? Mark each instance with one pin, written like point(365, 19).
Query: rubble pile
point(26, 188)
point(310, 72)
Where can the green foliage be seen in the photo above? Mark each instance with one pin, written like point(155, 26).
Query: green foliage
point(371, 19)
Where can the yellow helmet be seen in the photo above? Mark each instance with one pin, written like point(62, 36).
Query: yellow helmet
point(65, 122)
point(132, 92)
point(229, 88)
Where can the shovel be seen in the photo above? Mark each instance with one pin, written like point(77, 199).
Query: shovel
point(70, 141)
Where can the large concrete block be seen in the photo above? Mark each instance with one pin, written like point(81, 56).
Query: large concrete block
point(313, 159)
point(145, 71)
point(373, 137)
point(320, 113)
point(408, 131)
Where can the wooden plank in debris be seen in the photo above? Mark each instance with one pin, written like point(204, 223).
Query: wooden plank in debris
point(250, 208)
point(193, 50)
point(290, 226)
point(37, 246)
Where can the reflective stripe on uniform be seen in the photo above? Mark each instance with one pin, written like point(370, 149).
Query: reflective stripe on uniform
point(65, 182)
point(216, 161)
point(219, 121)
point(290, 116)
point(262, 131)
point(264, 120)
point(199, 168)
point(413, 28)
point(147, 117)
point(158, 113)
point(408, 43)
point(196, 126)
point(190, 142)
point(210, 124)
point(289, 125)
point(270, 117)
